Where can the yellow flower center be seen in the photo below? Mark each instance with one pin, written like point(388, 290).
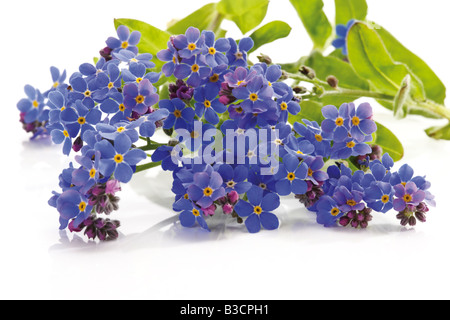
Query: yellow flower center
point(291, 176)
point(87, 93)
point(310, 172)
point(407, 198)
point(138, 80)
point(192, 46)
point(140, 99)
point(212, 51)
point(56, 84)
point(195, 212)
point(355, 121)
point(253, 97)
point(335, 212)
point(339, 122)
point(350, 144)
point(284, 106)
point(92, 173)
point(124, 45)
point(351, 202)
point(122, 107)
point(194, 134)
point(231, 184)
point(110, 85)
point(318, 137)
point(120, 129)
point(207, 104)
point(82, 206)
point(207, 192)
point(385, 198)
point(195, 67)
point(186, 196)
point(257, 210)
point(35, 104)
point(66, 134)
point(118, 158)
point(177, 113)
point(81, 120)
point(239, 109)
point(214, 78)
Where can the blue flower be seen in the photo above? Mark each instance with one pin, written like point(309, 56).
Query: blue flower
point(337, 122)
point(256, 96)
point(84, 91)
point(119, 159)
point(349, 147)
point(140, 98)
point(328, 212)
point(288, 106)
point(130, 58)
point(112, 131)
point(168, 156)
point(208, 104)
point(258, 210)
point(170, 56)
point(138, 72)
point(378, 172)
point(111, 79)
point(407, 194)
point(126, 41)
point(189, 44)
point(80, 118)
point(361, 123)
point(179, 115)
point(237, 55)
point(291, 176)
point(71, 204)
point(206, 188)
point(215, 50)
point(348, 200)
point(148, 127)
point(88, 174)
point(60, 134)
point(234, 179)
point(240, 77)
point(194, 69)
point(341, 41)
point(379, 196)
point(300, 148)
point(58, 79)
point(315, 173)
point(403, 175)
point(32, 106)
point(190, 214)
point(312, 132)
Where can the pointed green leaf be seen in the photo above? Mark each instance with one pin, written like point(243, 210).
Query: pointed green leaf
point(205, 18)
point(388, 142)
point(315, 21)
point(370, 59)
point(434, 88)
point(247, 14)
point(350, 9)
point(439, 132)
point(270, 32)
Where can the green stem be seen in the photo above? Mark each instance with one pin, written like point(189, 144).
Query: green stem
point(147, 166)
point(435, 108)
point(357, 94)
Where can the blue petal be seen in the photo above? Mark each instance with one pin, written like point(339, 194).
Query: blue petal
point(269, 221)
point(187, 219)
point(123, 172)
point(253, 223)
point(243, 208)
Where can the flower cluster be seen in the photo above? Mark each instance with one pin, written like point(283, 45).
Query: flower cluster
point(232, 145)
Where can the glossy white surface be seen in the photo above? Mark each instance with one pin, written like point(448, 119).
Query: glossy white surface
point(154, 257)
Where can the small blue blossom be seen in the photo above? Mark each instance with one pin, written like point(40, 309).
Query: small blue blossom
point(349, 147)
point(170, 56)
point(291, 176)
point(189, 44)
point(126, 40)
point(234, 179)
point(140, 98)
point(32, 106)
point(119, 159)
point(58, 79)
point(208, 104)
point(379, 196)
point(60, 135)
point(112, 131)
point(348, 200)
point(407, 194)
point(71, 204)
point(130, 58)
point(337, 122)
point(191, 214)
point(193, 69)
point(179, 114)
point(88, 174)
point(79, 118)
point(169, 157)
point(361, 123)
point(328, 212)
point(215, 50)
point(258, 210)
point(206, 188)
point(148, 127)
point(237, 55)
point(256, 96)
point(138, 72)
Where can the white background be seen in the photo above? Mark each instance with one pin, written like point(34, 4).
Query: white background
point(157, 259)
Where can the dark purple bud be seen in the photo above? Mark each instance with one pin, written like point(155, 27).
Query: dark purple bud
point(412, 221)
point(227, 208)
point(233, 197)
point(77, 144)
point(351, 214)
point(112, 234)
point(355, 223)
point(90, 232)
point(101, 234)
point(99, 223)
point(421, 216)
point(344, 221)
point(363, 224)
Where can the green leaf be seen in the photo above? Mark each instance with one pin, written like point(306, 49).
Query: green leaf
point(315, 21)
point(270, 32)
point(439, 132)
point(401, 97)
point(350, 9)
point(388, 142)
point(311, 110)
point(434, 88)
point(205, 18)
point(247, 14)
point(152, 38)
point(326, 66)
point(370, 59)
